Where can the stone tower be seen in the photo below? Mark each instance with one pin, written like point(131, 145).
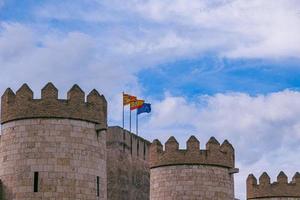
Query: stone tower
point(52, 148)
point(191, 173)
point(280, 190)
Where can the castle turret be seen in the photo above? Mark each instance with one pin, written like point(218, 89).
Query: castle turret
point(53, 148)
point(191, 173)
point(279, 190)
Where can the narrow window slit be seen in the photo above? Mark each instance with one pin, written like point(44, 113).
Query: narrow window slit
point(138, 148)
point(98, 186)
point(36, 182)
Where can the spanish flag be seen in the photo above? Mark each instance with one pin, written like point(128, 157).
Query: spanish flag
point(136, 104)
point(127, 99)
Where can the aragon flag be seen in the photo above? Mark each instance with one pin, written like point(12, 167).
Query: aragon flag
point(127, 99)
point(146, 108)
point(136, 104)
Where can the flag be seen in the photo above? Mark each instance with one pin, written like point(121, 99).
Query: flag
point(136, 104)
point(127, 99)
point(145, 108)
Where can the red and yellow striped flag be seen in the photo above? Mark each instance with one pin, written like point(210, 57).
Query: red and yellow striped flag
point(136, 104)
point(127, 99)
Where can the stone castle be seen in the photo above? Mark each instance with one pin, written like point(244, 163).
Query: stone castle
point(55, 149)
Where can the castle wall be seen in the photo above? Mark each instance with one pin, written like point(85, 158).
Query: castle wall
point(68, 155)
point(127, 165)
point(1, 187)
point(280, 198)
point(191, 182)
point(191, 173)
point(279, 190)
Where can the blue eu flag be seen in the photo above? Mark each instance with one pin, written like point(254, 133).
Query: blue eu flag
point(146, 108)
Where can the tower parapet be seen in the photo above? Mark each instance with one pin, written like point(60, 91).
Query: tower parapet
point(191, 173)
point(214, 154)
point(280, 189)
point(22, 105)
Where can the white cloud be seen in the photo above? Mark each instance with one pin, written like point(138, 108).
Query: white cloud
point(233, 28)
point(253, 28)
point(264, 129)
point(36, 57)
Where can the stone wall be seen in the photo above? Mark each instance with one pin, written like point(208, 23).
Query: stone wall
point(67, 154)
point(22, 105)
point(191, 182)
point(127, 165)
point(281, 189)
point(191, 173)
point(1, 195)
point(214, 154)
point(280, 198)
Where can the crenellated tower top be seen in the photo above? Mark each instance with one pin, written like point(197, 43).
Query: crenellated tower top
point(266, 189)
point(215, 154)
point(22, 105)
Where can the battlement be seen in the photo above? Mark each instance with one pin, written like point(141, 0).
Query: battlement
point(266, 189)
point(215, 154)
point(21, 105)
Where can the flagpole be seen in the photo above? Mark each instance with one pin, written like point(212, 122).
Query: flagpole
point(123, 110)
point(137, 123)
point(123, 116)
point(130, 121)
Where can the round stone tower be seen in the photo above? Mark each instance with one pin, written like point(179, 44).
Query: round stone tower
point(52, 148)
point(191, 173)
point(279, 190)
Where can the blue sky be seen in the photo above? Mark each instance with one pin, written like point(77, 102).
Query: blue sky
point(209, 75)
point(227, 68)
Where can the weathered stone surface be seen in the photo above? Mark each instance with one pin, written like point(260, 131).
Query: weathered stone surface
point(280, 198)
point(215, 154)
point(191, 182)
point(279, 190)
point(22, 105)
point(191, 173)
point(127, 166)
point(68, 154)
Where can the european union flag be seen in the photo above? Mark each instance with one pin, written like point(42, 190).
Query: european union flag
point(146, 108)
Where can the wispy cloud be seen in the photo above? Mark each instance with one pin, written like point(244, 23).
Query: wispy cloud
point(28, 55)
point(235, 28)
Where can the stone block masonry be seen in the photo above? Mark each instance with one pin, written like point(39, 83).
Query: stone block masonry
point(53, 149)
point(279, 190)
point(191, 182)
point(22, 105)
point(128, 171)
point(191, 173)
